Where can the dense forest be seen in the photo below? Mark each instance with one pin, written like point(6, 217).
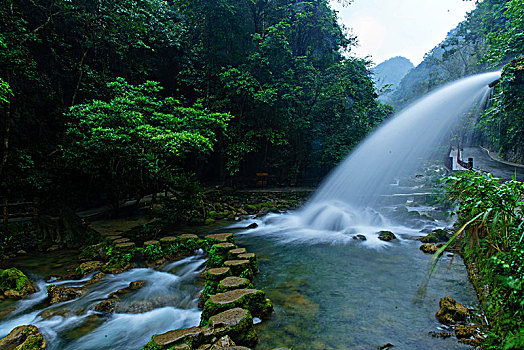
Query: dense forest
point(107, 100)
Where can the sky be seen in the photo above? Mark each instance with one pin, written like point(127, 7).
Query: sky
point(408, 28)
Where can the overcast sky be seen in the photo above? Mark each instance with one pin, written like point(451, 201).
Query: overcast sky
point(409, 28)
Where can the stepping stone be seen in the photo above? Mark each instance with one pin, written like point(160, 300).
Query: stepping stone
point(218, 274)
point(190, 336)
point(233, 253)
point(239, 267)
point(121, 240)
point(237, 323)
point(220, 237)
point(252, 260)
point(230, 283)
point(168, 241)
point(125, 247)
point(152, 242)
point(187, 236)
point(114, 237)
point(250, 299)
point(223, 249)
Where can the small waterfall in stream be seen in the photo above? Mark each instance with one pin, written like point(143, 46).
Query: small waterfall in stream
point(350, 199)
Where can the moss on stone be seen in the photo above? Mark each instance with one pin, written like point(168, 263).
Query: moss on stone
point(233, 282)
point(249, 299)
point(237, 323)
point(15, 280)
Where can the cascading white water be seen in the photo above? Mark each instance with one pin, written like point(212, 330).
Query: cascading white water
point(349, 199)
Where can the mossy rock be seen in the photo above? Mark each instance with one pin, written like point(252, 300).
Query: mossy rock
point(217, 274)
point(96, 278)
point(436, 236)
point(233, 282)
point(430, 248)
point(25, 337)
point(220, 238)
point(14, 284)
point(107, 306)
point(250, 299)
point(237, 323)
point(191, 337)
point(241, 268)
point(252, 260)
point(386, 236)
point(451, 311)
point(90, 266)
point(464, 331)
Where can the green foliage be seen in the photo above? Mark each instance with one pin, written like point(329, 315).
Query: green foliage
point(493, 238)
point(209, 290)
point(214, 259)
point(153, 252)
point(503, 123)
point(508, 41)
point(133, 142)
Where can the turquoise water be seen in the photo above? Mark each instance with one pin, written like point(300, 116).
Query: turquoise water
point(346, 296)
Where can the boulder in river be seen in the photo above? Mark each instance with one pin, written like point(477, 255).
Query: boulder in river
point(451, 311)
point(430, 248)
point(58, 294)
point(386, 236)
point(25, 337)
point(436, 236)
point(14, 284)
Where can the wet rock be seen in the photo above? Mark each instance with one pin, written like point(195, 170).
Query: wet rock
point(475, 342)
point(117, 268)
point(96, 278)
point(140, 306)
point(25, 337)
point(230, 283)
point(222, 343)
point(191, 337)
point(62, 312)
point(360, 237)
point(451, 311)
point(430, 248)
point(218, 274)
point(14, 284)
point(237, 323)
point(220, 238)
point(443, 335)
point(53, 248)
point(135, 285)
point(240, 268)
point(252, 225)
point(436, 236)
point(250, 299)
point(58, 294)
point(5, 312)
point(386, 236)
point(464, 331)
point(106, 306)
point(90, 266)
point(263, 212)
point(21, 252)
point(386, 346)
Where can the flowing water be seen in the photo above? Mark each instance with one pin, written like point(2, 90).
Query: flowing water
point(334, 284)
point(168, 300)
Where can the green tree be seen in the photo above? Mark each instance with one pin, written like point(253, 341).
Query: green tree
point(137, 142)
